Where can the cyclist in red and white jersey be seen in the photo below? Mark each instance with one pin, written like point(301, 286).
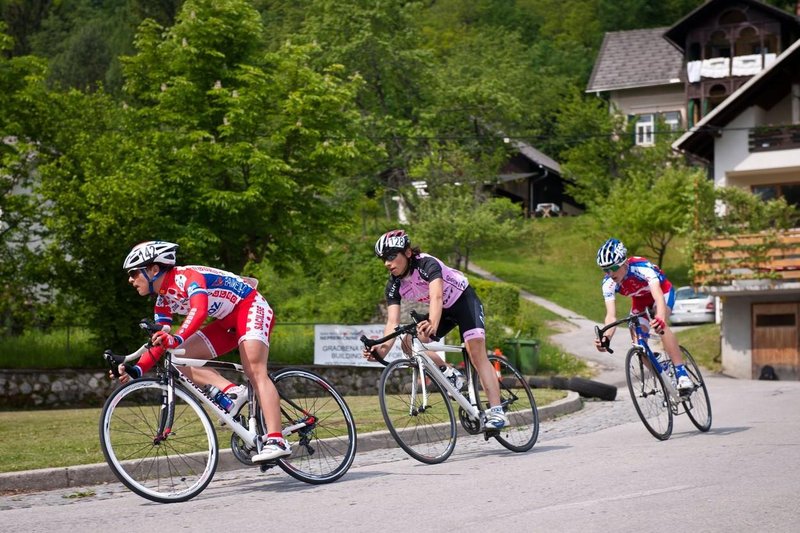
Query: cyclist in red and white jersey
point(648, 288)
point(242, 316)
point(452, 302)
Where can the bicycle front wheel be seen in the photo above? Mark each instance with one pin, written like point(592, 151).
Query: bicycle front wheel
point(422, 424)
point(517, 400)
point(172, 467)
point(648, 395)
point(324, 439)
point(698, 404)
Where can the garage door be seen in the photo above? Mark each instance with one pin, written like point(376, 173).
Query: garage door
point(775, 339)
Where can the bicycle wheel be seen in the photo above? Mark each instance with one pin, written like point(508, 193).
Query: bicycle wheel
point(324, 449)
point(424, 427)
point(517, 400)
point(698, 404)
point(171, 469)
point(648, 394)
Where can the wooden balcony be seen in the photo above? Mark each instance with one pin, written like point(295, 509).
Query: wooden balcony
point(764, 256)
point(767, 138)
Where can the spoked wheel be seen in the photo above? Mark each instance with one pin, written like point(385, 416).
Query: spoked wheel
point(648, 394)
point(698, 404)
point(320, 427)
point(172, 467)
point(517, 400)
point(422, 424)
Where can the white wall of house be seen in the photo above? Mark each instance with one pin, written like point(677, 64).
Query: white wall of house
point(736, 337)
point(730, 148)
point(643, 100)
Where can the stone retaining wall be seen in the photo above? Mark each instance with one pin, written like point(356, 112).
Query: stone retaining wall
point(56, 389)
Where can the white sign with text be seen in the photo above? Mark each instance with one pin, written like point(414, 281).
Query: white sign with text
point(341, 345)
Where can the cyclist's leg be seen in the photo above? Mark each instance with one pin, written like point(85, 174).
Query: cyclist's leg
point(209, 343)
point(476, 349)
point(254, 325)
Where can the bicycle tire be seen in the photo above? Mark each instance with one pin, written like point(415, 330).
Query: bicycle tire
point(520, 407)
point(323, 451)
point(648, 394)
point(426, 433)
point(698, 404)
point(174, 469)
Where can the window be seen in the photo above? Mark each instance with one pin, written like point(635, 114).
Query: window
point(644, 130)
point(789, 191)
point(672, 119)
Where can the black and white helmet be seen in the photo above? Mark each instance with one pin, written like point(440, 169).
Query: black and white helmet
point(612, 253)
point(147, 253)
point(392, 242)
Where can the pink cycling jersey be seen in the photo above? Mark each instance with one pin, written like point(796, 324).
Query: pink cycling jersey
point(636, 283)
point(416, 285)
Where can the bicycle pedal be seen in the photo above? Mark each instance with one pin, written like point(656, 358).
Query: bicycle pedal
point(267, 465)
point(490, 433)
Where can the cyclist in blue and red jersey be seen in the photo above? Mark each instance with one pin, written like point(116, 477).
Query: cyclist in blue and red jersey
point(452, 302)
point(648, 288)
point(242, 316)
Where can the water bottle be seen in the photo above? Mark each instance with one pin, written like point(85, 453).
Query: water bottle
point(454, 376)
point(222, 399)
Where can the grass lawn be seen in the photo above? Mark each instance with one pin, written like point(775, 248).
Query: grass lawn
point(30, 437)
point(556, 260)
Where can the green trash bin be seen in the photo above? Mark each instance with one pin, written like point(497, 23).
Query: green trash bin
point(523, 354)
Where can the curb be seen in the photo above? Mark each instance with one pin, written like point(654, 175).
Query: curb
point(95, 474)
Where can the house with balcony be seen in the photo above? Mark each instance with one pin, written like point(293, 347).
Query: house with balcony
point(679, 74)
point(751, 140)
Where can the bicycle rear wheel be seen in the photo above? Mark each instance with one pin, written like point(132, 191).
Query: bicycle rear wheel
point(648, 394)
point(698, 404)
point(517, 400)
point(167, 469)
point(324, 447)
point(425, 430)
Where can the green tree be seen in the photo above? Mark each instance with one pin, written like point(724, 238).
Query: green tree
point(235, 154)
point(21, 101)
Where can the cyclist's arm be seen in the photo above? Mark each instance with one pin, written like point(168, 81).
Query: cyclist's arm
point(393, 320)
point(658, 296)
point(435, 289)
point(611, 316)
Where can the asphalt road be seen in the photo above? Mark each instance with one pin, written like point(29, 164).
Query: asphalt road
point(594, 470)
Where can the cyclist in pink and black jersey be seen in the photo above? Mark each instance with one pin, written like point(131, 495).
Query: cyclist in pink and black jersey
point(243, 319)
point(648, 288)
point(452, 302)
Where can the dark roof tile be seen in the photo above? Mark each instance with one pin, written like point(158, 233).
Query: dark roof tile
point(636, 58)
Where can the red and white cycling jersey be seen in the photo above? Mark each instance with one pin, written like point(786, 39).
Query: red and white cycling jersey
point(198, 292)
point(636, 283)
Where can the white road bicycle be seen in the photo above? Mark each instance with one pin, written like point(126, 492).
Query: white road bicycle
point(158, 437)
point(416, 401)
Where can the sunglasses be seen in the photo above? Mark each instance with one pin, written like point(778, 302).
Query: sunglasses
point(612, 268)
point(134, 272)
point(390, 257)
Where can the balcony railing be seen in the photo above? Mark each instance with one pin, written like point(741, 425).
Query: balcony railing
point(772, 256)
point(766, 138)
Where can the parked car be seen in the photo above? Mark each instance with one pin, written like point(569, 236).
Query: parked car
point(692, 307)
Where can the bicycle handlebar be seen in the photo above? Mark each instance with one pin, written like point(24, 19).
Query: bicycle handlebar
point(410, 328)
point(605, 342)
point(114, 360)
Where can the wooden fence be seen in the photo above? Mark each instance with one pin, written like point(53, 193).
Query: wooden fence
point(768, 255)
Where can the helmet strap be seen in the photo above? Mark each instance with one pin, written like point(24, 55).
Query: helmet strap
point(151, 281)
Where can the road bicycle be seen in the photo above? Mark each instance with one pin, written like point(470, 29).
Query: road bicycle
point(654, 392)
point(415, 399)
point(158, 437)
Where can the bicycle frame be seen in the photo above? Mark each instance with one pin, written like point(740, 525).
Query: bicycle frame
point(168, 371)
point(640, 340)
point(419, 355)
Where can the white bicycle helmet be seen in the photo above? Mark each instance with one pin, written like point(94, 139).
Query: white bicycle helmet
point(147, 253)
point(391, 242)
point(612, 253)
